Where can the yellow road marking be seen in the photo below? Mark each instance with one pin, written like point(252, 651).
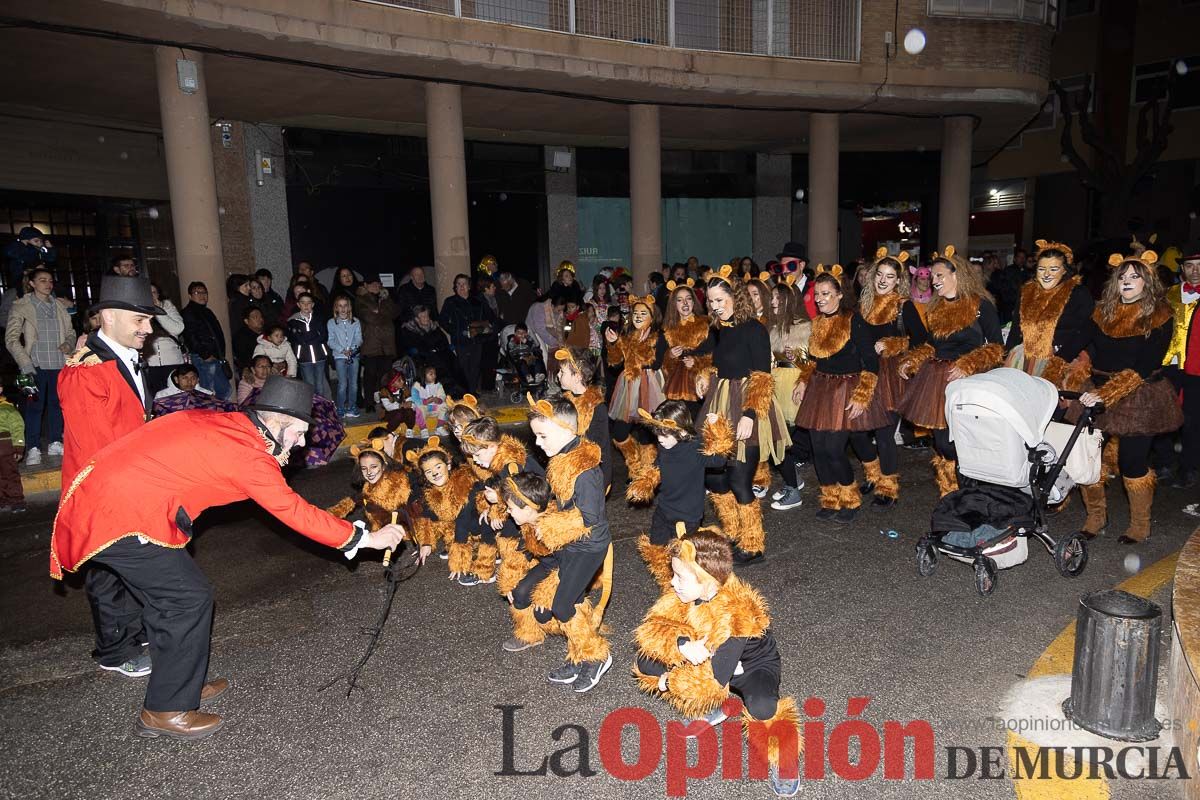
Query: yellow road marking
point(1056, 660)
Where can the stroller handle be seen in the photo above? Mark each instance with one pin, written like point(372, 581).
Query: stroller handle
point(1095, 410)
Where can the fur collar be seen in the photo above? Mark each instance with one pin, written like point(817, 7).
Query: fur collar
point(736, 610)
point(389, 494)
point(637, 355)
point(1126, 322)
point(689, 333)
point(509, 451)
point(885, 310)
point(564, 468)
point(947, 317)
point(829, 334)
point(585, 406)
point(446, 501)
point(1040, 310)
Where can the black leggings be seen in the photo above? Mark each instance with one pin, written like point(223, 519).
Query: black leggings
point(737, 477)
point(799, 452)
point(883, 448)
point(622, 430)
point(1133, 456)
point(943, 446)
point(830, 459)
point(575, 573)
point(758, 688)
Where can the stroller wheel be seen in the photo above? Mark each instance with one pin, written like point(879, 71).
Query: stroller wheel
point(985, 576)
point(1071, 555)
point(926, 558)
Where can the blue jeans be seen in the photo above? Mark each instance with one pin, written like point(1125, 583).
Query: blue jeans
point(46, 402)
point(347, 377)
point(313, 373)
point(212, 377)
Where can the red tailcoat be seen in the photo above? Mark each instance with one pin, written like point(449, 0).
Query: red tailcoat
point(191, 460)
point(98, 403)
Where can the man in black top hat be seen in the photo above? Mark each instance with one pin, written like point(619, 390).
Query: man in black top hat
point(105, 396)
point(30, 249)
point(155, 482)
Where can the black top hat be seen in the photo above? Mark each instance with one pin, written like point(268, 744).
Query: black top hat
point(1191, 252)
point(286, 396)
point(127, 294)
point(792, 250)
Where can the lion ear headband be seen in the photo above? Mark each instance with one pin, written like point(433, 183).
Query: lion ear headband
point(543, 409)
point(835, 270)
point(563, 354)
point(672, 285)
point(432, 445)
point(1043, 245)
point(666, 424)
point(516, 490)
point(724, 275)
point(900, 258)
point(1147, 257)
point(686, 552)
point(468, 400)
point(375, 446)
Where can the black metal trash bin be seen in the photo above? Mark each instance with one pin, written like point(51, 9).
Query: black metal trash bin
point(1114, 679)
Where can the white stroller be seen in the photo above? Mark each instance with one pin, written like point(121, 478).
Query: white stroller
point(1019, 462)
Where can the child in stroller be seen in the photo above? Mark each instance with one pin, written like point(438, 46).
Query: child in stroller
point(1000, 423)
point(523, 367)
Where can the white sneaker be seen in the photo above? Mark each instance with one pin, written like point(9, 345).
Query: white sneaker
point(33, 457)
point(760, 491)
point(55, 449)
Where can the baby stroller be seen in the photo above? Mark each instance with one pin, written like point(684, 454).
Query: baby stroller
point(514, 383)
point(1000, 422)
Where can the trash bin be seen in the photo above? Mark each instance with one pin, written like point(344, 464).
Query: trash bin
point(1114, 679)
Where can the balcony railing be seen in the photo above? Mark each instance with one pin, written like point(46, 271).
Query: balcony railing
point(826, 30)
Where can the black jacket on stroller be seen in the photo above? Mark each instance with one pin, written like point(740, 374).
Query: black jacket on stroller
point(968, 509)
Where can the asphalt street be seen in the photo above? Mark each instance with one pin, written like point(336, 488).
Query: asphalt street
point(850, 613)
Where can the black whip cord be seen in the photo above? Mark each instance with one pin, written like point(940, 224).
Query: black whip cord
point(394, 574)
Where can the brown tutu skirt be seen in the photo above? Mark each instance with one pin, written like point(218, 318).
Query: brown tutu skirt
point(724, 399)
point(681, 383)
point(1149, 410)
point(824, 405)
point(923, 402)
point(891, 387)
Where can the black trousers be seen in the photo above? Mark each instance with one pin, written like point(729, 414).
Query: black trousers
point(736, 477)
point(470, 360)
point(943, 446)
point(758, 688)
point(883, 447)
point(1133, 456)
point(622, 430)
point(575, 572)
point(1189, 458)
point(800, 451)
point(663, 529)
point(178, 608)
point(830, 459)
point(374, 368)
point(116, 614)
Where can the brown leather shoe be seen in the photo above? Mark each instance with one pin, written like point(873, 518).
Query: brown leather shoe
point(213, 689)
point(176, 724)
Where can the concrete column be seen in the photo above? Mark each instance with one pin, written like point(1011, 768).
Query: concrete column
point(447, 185)
point(191, 181)
point(268, 203)
point(645, 192)
point(562, 214)
point(954, 201)
point(772, 204)
point(823, 188)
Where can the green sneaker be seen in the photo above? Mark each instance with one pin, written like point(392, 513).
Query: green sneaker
point(136, 667)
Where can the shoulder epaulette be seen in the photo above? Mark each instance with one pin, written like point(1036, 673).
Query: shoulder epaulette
point(84, 357)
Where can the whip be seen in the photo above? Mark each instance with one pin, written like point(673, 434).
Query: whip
point(393, 576)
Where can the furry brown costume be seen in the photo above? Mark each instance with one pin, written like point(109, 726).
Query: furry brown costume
point(637, 354)
point(444, 503)
point(1040, 311)
point(585, 407)
point(949, 317)
point(760, 392)
point(830, 333)
point(885, 309)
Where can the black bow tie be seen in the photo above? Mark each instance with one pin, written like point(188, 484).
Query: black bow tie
point(137, 367)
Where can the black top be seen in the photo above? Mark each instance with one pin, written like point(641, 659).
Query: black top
point(1072, 330)
point(589, 499)
point(1143, 354)
point(984, 330)
point(202, 332)
point(913, 327)
point(458, 314)
point(737, 350)
point(599, 434)
point(244, 342)
point(757, 653)
point(408, 296)
point(886, 329)
point(857, 355)
point(681, 486)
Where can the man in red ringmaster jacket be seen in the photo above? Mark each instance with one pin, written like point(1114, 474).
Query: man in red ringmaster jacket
point(131, 509)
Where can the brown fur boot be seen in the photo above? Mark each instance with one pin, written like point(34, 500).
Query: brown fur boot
point(513, 564)
point(945, 474)
point(751, 536)
point(632, 453)
point(1096, 503)
point(872, 475)
point(888, 487)
point(584, 641)
point(658, 561)
point(1108, 459)
point(725, 504)
point(484, 565)
point(460, 557)
point(1141, 498)
point(779, 735)
point(830, 496)
point(526, 627)
point(762, 474)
